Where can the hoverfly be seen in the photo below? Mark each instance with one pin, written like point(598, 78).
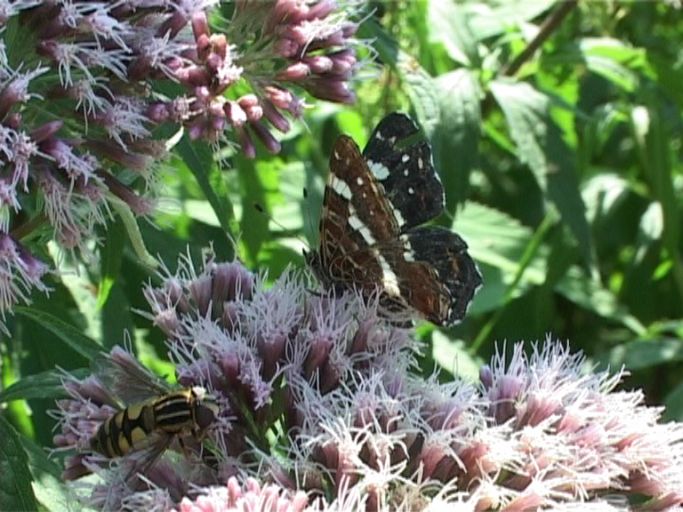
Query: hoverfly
point(151, 414)
point(187, 412)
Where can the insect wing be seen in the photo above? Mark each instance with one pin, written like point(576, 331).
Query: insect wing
point(126, 378)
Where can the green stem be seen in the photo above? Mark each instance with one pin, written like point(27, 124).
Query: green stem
point(25, 229)
point(529, 253)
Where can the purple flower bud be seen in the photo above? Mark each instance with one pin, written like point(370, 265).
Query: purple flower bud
point(295, 72)
point(287, 48)
point(200, 25)
point(486, 377)
point(33, 268)
point(167, 320)
point(138, 204)
point(271, 144)
point(275, 118)
point(319, 63)
point(319, 350)
point(321, 9)
point(158, 112)
point(46, 130)
point(196, 130)
point(251, 106)
point(201, 292)
point(230, 317)
point(116, 153)
point(235, 114)
point(247, 144)
point(343, 62)
point(281, 98)
point(330, 89)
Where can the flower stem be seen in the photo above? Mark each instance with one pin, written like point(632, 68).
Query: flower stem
point(25, 229)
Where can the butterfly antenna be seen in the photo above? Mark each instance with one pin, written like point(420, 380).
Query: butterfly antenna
point(259, 208)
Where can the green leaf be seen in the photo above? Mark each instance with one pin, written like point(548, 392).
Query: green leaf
point(448, 110)
point(255, 179)
point(452, 356)
point(673, 404)
point(449, 26)
point(39, 460)
point(591, 295)
point(47, 384)
point(646, 353)
point(15, 478)
point(614, 61)
point(51, 492)
point(496, 239)
point(65, 332)
point(540, 145)
point(385, 45)
point(653, 144)
point(111, 253)
point(198, 157)
point(422, 91)
point(455, 137)
point(487, 19)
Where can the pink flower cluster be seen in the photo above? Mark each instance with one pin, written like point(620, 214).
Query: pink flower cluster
point(271, 48)
point(317, 396)
point(81, 94)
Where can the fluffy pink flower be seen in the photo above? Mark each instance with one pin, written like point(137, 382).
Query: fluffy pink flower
point(317, 396)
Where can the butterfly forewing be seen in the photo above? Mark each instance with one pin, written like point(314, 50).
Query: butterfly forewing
point(405, 171)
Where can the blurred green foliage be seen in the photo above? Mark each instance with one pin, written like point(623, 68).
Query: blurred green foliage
point(562, 168)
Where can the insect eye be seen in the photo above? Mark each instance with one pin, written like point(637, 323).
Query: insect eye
point(205, 414)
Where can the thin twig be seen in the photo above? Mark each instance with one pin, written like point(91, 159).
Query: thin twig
point(547, 27)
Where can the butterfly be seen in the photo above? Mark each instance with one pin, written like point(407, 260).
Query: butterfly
point(371, 233)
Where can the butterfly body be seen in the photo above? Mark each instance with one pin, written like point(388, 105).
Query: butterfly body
point(371, 233)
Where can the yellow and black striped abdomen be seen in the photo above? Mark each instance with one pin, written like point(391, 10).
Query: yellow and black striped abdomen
point(125, 431)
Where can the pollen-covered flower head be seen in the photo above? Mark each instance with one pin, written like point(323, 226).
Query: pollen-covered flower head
point(317, 395)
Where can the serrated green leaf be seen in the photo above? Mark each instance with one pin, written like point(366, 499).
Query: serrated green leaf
point(65, 332)
point(496, 239)
point(487, 19)
point(15, 478)
point(449, 26)
point(46, 384)
point(422, 91)
point(455, 138)
point(541, 147)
